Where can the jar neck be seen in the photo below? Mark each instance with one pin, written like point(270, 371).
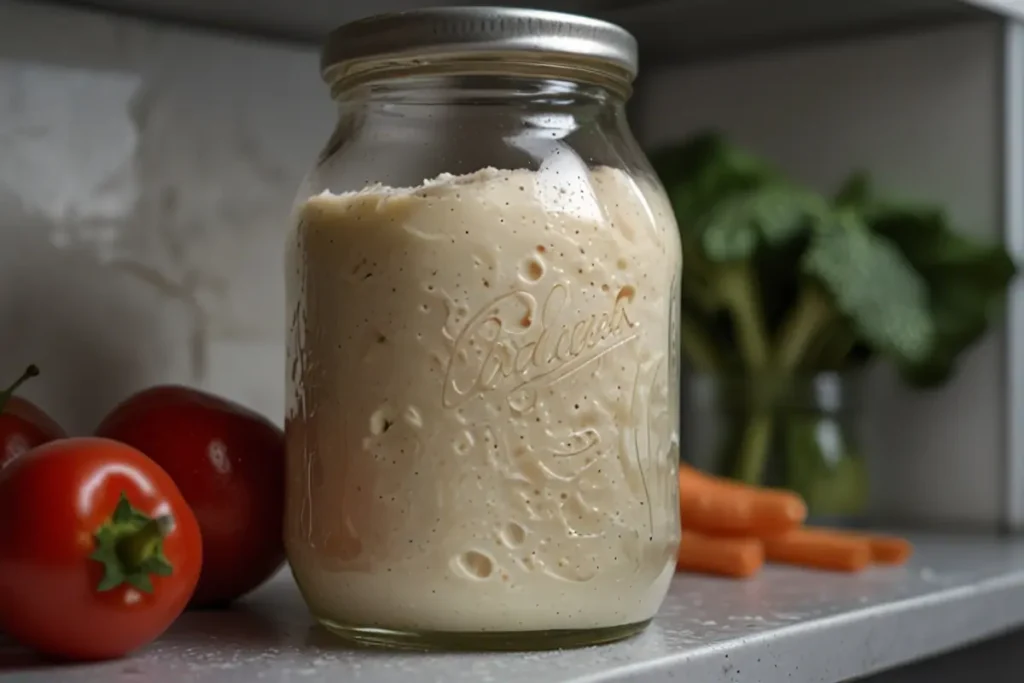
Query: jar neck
point(480, 89)
point(491, 76)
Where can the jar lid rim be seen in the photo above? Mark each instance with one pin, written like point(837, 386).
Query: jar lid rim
point(467, 31)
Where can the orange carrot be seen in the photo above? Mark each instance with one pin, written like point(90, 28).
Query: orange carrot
point(819, 550)
point(734, 557)
point(888, 550)
point(717, 506)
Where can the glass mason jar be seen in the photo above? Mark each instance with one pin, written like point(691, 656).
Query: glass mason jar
point(801, 433)
point(483, 370)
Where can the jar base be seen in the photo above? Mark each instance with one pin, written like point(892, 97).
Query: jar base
point(493, 641)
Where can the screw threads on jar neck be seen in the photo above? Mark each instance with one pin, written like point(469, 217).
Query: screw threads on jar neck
point(508, 76)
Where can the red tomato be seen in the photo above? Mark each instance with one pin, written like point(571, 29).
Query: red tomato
point(229, 464)
point(99, 552)
point(23, 425)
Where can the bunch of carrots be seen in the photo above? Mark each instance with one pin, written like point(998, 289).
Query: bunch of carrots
point(731, 529)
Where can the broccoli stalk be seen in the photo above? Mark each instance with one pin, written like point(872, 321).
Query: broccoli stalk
point(754, 446)
point(698, 345)
point(737, 290)
point(809, 320)
point(852, 279)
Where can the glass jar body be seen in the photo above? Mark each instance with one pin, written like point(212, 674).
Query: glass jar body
point(802, 433)
point(483, 371)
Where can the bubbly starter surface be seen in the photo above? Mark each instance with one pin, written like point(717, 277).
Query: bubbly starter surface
point(483, 418)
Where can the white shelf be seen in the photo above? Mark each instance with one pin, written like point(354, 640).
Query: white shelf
point(784, 626)
point(669, 30)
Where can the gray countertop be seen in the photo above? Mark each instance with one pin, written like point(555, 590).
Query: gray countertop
point(787, 625)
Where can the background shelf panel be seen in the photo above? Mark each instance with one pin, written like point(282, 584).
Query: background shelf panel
point(306, 20)
point(669, 30)
point(786, 625)
point(682, 30)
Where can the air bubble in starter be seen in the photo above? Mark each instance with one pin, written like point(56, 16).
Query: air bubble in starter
point(513, 534)
point(532, 269)
point(475, 564)
point(381, 420)
point(463, 443)
point(413, 416)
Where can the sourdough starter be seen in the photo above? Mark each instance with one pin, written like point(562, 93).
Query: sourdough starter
point(483, 415)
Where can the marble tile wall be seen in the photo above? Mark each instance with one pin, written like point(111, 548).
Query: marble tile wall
point(146, 175)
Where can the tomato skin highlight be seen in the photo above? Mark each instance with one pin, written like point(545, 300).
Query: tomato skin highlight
point(229, 464)
point(53, 500)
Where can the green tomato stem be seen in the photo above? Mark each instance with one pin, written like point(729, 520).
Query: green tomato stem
point(136, 548)
point(30, 372)
point(129, 547)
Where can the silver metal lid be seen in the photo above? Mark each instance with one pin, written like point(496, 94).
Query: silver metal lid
point(459, 31)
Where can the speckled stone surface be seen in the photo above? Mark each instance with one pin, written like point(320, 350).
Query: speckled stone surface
point(788, 625)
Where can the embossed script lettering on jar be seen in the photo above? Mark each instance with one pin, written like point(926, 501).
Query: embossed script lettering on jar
point(524, 351)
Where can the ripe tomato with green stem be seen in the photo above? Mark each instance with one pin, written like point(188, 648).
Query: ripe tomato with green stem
point(23, 425)
point(99, 552)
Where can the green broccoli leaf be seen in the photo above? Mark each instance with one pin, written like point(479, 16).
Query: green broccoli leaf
point(777, 276)
point(967, 282)
point(735, 214)
point(771, 215)
point(855, 193)
point(696, 174)
point(872, 285)
point(780, 281)
point(702, 176)
point(701, 172)
point(728, 200)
